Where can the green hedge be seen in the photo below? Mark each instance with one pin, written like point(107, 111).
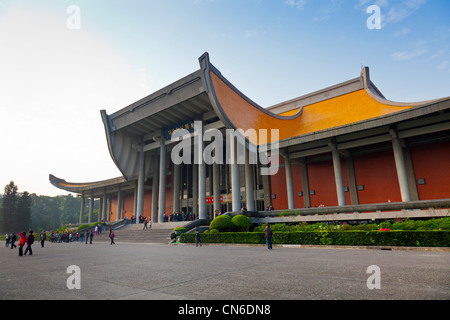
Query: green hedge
point(350, 238)
point(396, 224)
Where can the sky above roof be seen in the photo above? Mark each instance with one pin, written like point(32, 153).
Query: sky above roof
point(61, 62)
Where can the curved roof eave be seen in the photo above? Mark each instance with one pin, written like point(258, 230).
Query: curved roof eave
point(81, 187)
point(359, 103)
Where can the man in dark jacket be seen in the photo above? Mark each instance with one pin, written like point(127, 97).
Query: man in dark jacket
point(268, 234)
point(13, 240)
point(30, 241)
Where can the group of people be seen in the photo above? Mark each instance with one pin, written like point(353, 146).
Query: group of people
point(147, 225)
point(67, 236)
point(54, 237)
point(181, 216)
point(131, 220)
point(11, 239)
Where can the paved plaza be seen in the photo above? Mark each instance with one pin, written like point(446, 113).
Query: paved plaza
point(129, 271)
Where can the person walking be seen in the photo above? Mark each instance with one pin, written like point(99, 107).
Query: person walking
point(8, 236)
point(111, 236)
point(43, 237)
point(91, 236)
point(268, 234)
point(13, 240)
point(22, 242)
point(30, 241)
point(145, 224)
point(198, 239)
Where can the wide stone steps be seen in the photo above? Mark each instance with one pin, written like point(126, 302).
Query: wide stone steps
point(159, 233)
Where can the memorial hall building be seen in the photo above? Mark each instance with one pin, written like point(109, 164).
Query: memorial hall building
point(345, 147)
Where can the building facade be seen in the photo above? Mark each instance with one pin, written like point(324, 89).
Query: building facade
point(340, 146)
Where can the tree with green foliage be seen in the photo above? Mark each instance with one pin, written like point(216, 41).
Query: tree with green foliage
point(23, 214)
point(9, 207)
point(50, 213)
point(15, 211)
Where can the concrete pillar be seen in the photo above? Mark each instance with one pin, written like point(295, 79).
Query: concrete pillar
point(400, 166)
point(162, 179)
point(176, 187)
point(235, 183)
point(289, 183)
point(105, 202)
point(83, 205)
point(216, 187)
point(140, 185)
point(119, 205)
point(410, 174)
point(227, 184)
point(91, 209)
point(266, 189)
point(100, 206)
point(155, 183)
point(135, 200)
point(108, 208)
point(338, 174)
point(202, 190)
point(195, 189)
point(201, 176)
point(249, 185)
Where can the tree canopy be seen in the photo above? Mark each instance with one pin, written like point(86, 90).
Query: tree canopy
point(15, 210)
point(22, 211)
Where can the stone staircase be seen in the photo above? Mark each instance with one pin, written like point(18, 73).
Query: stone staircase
point(159, 233)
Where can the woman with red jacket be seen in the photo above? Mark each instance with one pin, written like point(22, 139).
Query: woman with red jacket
point(22, 242)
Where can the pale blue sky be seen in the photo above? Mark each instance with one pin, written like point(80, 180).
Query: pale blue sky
point(54, 81)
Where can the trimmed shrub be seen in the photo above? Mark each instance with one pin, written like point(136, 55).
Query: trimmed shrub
point(221, 222)
point(83, 226)
point(241, 222)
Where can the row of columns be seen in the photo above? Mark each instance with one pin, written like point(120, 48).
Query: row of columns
point(199, 182)
point(399, 158)
point(102, 210)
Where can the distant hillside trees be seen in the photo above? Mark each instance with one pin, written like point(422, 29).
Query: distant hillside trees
point(50, 213)
point(21, 211)
point(15, 209)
